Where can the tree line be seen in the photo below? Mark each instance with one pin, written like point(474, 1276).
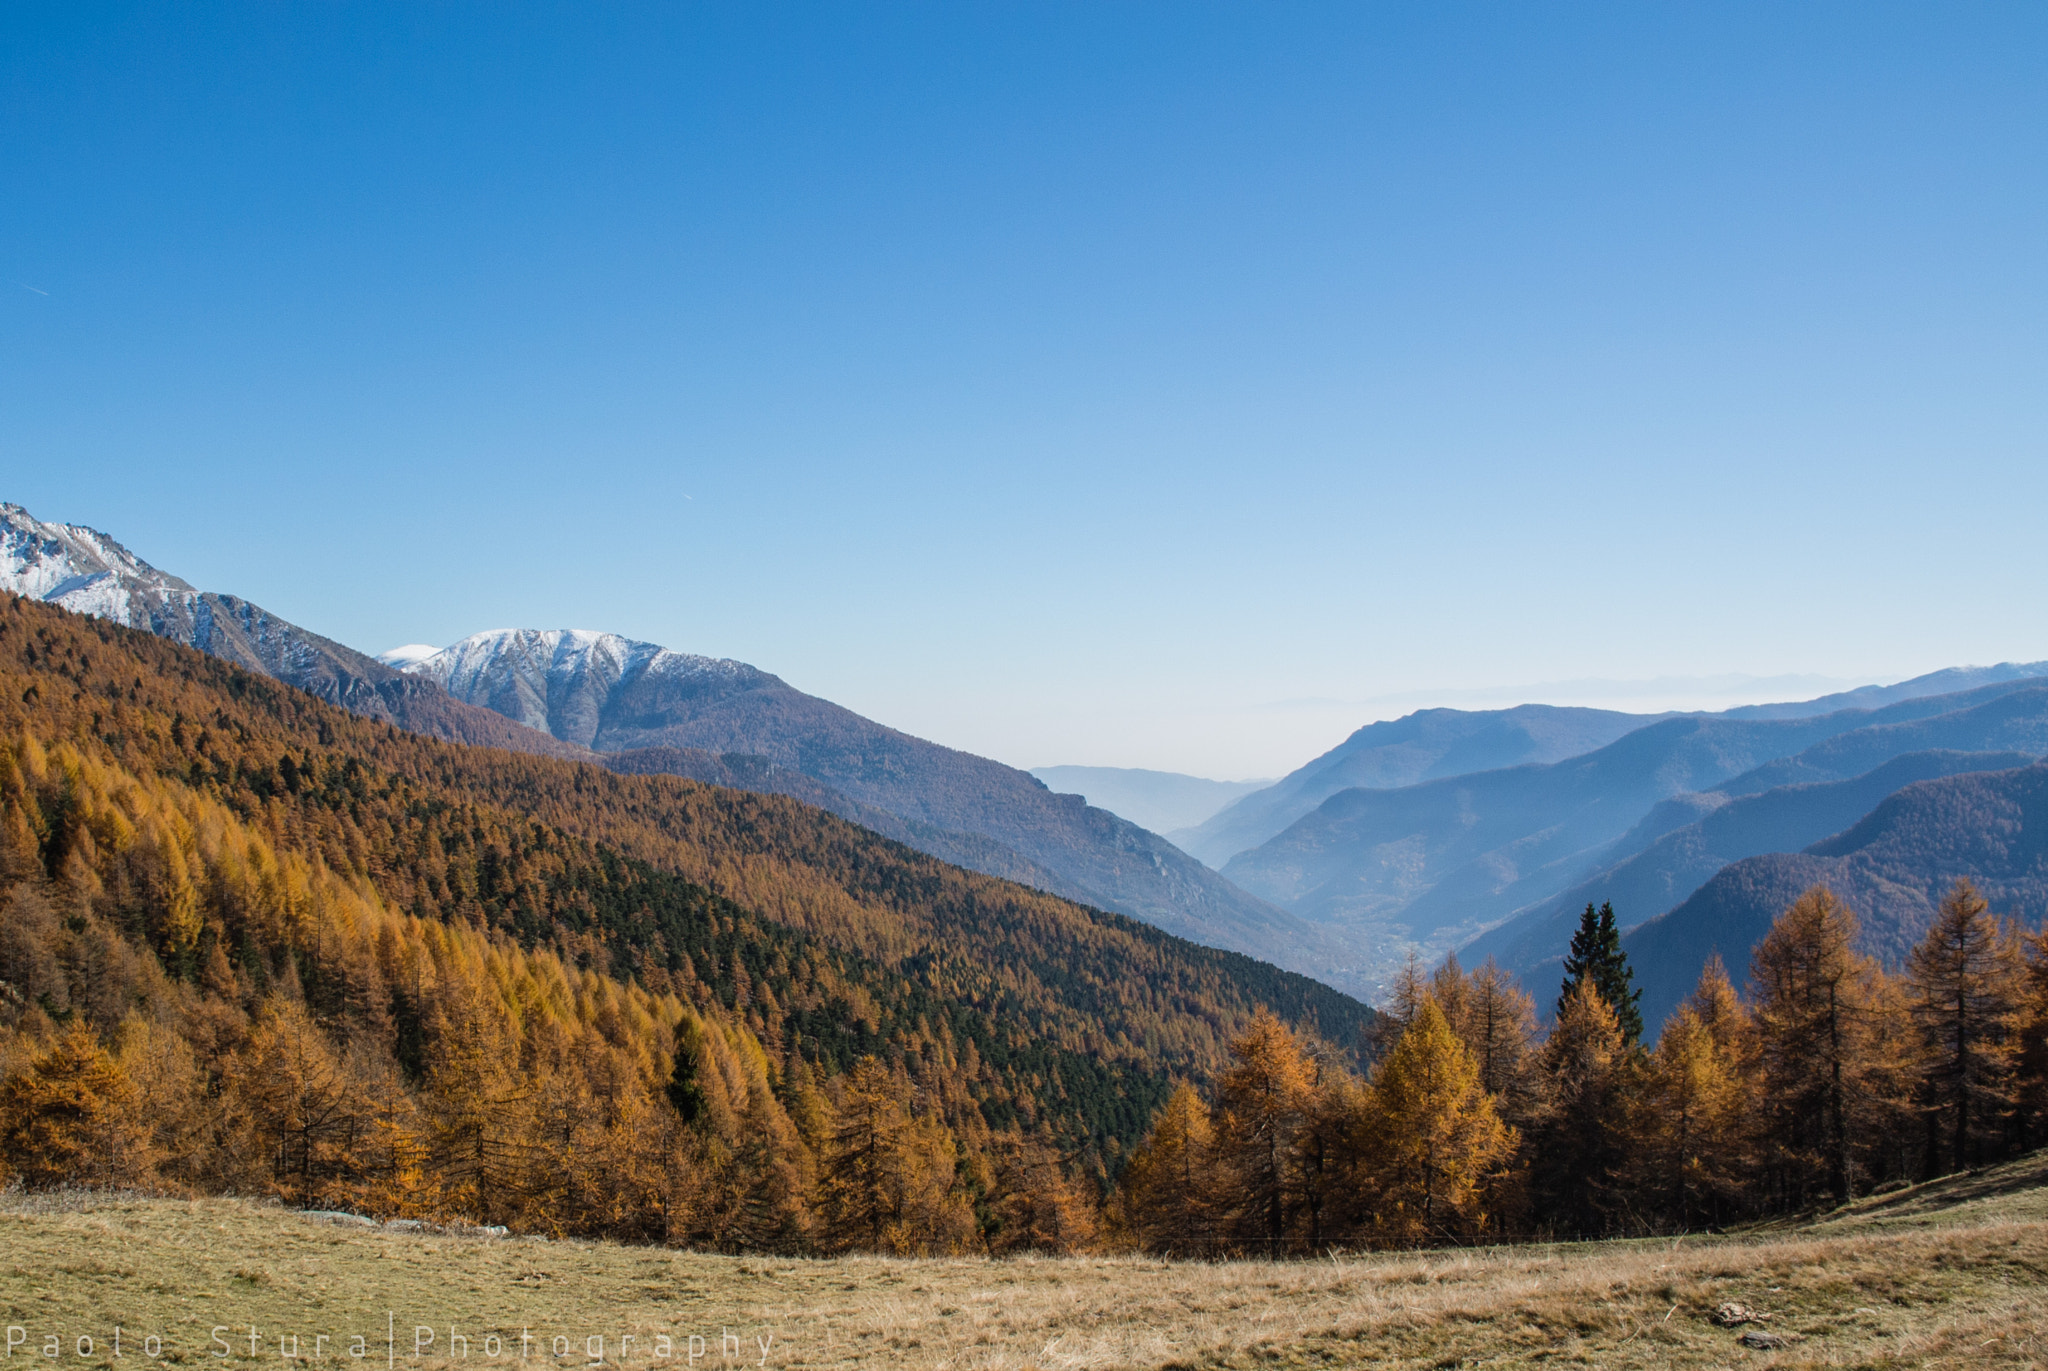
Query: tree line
point(1829, 1078)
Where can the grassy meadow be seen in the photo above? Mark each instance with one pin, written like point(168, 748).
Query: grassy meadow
point(1952, 1273)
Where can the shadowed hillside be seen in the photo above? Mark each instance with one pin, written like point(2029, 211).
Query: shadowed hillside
point(1891, 868)
point(1661, 875)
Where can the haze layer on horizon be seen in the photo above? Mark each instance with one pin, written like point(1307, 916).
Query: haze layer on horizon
point(1070, 384)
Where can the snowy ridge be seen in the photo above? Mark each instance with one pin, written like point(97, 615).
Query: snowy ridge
point(407, 655)
point(556, 680)
point(86, 572)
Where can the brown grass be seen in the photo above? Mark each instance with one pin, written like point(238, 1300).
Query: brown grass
point(1950, 1274)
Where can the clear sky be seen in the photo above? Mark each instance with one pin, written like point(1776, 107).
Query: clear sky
point(1166, 385)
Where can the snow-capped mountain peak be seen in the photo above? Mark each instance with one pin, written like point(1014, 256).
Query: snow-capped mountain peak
point(557, 680)
point(85, 571)
point(408, 655)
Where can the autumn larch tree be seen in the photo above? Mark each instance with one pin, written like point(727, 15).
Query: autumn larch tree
point(1965, 980)
point(1436, 1136)
point(1260, 1102)
point(1688, 1153)
point(1576, 1145)
point(1168, 1187)
point(1825, 1066)
point(71, 1118)
point(1498, 1024)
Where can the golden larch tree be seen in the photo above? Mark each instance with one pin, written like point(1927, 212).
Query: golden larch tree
point(1687, 1157)
point(1965, 981)
point(1825, 1066)
point(1169, 1185)
point(1436, 1138)
point(1261, 1102)
point(71, 1118)
point(1577, 1140)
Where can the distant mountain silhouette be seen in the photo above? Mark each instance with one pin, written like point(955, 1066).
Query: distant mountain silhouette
point(1430, 866)
point(1422, 746)
point(1892, 868)
point(1670, 868)
point(1162, 801)
point(1950, 681)
point(1433, 744)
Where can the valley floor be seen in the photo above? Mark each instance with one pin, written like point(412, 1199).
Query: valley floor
point(1953, 1273)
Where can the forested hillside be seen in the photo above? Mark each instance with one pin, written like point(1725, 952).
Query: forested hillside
point(646, 702)
point(344, 961)
point(1892, 866)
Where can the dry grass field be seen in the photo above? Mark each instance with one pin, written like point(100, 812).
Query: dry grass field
point(1955, 1273)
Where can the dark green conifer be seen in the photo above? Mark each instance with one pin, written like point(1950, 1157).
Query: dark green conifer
point(1596, 954)
point(683, 1091)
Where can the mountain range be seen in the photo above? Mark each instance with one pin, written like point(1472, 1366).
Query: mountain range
point(1496, 861)
point(641, 709)
point(1483, 832)
point(1784, 805)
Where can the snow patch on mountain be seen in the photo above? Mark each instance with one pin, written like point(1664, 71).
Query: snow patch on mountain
point(86, 572)
point(408, 655)
point(556, 680)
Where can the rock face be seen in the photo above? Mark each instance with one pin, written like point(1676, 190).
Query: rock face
point(646, 707)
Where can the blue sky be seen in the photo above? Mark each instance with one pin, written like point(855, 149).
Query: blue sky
point(1163, 385)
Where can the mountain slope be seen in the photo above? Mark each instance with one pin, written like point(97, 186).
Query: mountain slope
point(1658, 877)
point(1162, 801)
point(1892, 868)
point(618, 696)
point(824, 939)
point(1425, 745)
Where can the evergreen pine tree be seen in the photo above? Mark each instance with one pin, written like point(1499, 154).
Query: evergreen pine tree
point(1596, 955)
point(683, 1091)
